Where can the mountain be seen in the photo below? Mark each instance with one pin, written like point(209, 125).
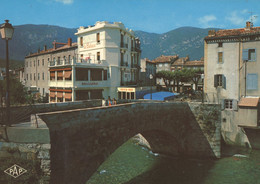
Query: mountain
point(29, 38)
point(182, 41)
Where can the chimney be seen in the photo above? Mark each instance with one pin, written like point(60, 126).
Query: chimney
point(45, 47)
point(54, 45)
point(69, 42)
point(211, 33)
point(249, 24)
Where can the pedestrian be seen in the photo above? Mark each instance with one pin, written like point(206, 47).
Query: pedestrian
point(114, 101)
point(109, 101)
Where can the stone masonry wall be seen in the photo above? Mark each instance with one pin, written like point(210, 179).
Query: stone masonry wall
point(35, 158)
point(82, 139)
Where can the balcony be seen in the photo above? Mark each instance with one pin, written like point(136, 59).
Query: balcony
point(76, 62)
point(124, 63)
point(123, 45)
point(128, 83)
point(93, 84)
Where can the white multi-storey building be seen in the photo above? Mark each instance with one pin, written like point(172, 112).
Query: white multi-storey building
point(107, 64)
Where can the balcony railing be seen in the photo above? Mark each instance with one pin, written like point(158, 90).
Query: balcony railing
point(124, 63)
point(123, 45)
point(75, 62)
point(128, 83)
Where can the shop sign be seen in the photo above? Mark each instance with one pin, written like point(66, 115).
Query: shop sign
point(89, 45)
point(126, 89)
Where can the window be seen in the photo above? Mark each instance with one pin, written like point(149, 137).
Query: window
point(38, 76)
point(220, 44)
point(30, 63)
point(30, 76)
point(252, 81)
point(249, 55)
point(38, 62)
point(81, 41)
point(98, 37)
point(105, 75)
point(228, 104)
point(98, 56)
point(220, 57)
point(43, 76)
point(34, 76)
point(27, 76)
point(43, 91)
point(219, 81)
point(42, 62)
point(34, 63)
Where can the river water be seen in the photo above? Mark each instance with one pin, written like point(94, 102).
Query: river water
point(133, 164)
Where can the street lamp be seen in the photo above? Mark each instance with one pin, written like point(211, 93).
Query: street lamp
point(202, 78)
point(7, 31)
point(151, 77)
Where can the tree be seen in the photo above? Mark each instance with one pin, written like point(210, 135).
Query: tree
point(18, 94)
point(167, 77)
point(195, 76)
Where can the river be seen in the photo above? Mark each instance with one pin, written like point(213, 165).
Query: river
point(133, 164)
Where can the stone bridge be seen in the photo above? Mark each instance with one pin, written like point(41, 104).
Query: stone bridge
point(81, 140)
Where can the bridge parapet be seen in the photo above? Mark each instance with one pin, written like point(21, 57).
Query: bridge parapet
point(82, 139)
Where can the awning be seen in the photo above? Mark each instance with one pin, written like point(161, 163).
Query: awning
point(248, 102)
point(60, 73)
point(52, 94)
point(67, 74)
point(52, 74)
point(68, 96)
point(59, 95)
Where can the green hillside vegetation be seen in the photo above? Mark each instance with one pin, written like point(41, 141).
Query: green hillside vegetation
point(13, 64)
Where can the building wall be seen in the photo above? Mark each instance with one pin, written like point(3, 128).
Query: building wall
point(36, 68)
point(252, 67)
point(233, 68)
point(229, 68)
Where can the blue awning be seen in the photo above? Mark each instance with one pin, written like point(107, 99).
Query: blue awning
point(163, 95)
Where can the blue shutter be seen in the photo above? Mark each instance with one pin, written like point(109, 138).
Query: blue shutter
point(245, 55)
point(252, 81)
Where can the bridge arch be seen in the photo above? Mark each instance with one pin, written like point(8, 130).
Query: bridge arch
point(82, 139)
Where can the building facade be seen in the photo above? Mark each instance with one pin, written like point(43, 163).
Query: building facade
point(36, 69)
point(108, 62)
point(147, 68)
point(232, 79)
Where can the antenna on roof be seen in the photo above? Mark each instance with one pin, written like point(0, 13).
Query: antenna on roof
point(252, 17)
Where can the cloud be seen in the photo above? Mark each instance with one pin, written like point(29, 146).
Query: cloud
point(207, 20)
point(235, 18)
point(65, 1)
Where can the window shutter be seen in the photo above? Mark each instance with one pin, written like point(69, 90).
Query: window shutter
point(234, 105)
point(223, 81)
point(252, 81)
point(245, 55)
point(222, 104)
point(215, 81)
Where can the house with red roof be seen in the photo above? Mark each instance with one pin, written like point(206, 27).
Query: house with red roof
point(232, 72)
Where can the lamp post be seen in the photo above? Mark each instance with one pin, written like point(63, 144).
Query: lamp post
point(202, 78)
point(151, 77)
point(7, 31)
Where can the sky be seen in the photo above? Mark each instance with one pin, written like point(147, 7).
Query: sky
point(154, 16)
